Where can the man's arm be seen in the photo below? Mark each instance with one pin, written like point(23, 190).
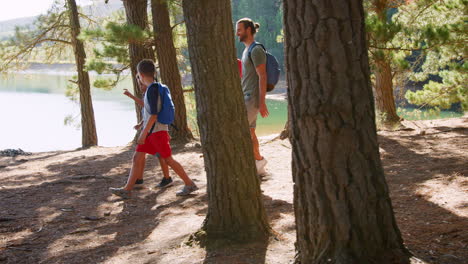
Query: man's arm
point(262, 84)
point(136, 99)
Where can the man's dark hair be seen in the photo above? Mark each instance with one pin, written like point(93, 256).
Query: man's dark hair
point(147, 68)
point(248, 23)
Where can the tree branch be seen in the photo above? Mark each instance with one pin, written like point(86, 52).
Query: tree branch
point(385, 48)
point(176, 24)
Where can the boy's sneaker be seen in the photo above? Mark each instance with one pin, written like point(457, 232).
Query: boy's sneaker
point(138, 181)
point(260, 164)
point(165, 182)
point(188, 189)
point(121, 192)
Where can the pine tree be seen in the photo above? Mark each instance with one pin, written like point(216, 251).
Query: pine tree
point(401, 35)
point(235, 208)
point(342, 206)
point(440, 33)
point(167, 60)
point(55, 34)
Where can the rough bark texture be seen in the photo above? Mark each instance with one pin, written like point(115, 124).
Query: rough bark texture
point(235, 208)
point(384, 93)
point(167, 59)
point(136, 13)
point(88, 124)
point(342, 207)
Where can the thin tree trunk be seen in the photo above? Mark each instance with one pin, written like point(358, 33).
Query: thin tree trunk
point(137, 14)
point(88, 124)
point(384, 93)
point(169, 70)
point(235, 209)
point(341, 201)
point(286, 131)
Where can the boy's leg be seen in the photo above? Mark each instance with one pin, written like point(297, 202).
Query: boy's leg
point(136, 172)
point(179, 170)
point(164, 167)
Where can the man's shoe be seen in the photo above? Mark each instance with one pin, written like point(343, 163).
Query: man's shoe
point(188, 189)
point(260, 164)
point(165, 182)
point(121, 192)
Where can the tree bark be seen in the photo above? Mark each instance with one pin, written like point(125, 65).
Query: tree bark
point(88, 124)
point(286, 131)
point(384, 93)
point(167, 59)
point(341, 201)
point(235, 209)
point(136, 13)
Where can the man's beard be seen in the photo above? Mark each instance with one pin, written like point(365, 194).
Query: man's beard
point(241, 38)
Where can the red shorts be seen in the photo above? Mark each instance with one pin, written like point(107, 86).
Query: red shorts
point(157, 143)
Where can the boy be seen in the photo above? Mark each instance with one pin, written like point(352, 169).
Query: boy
point(167, 180)
point(154, 137)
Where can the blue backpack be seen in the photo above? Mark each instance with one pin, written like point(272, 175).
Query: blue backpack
point(166, 115)
point(272, 67)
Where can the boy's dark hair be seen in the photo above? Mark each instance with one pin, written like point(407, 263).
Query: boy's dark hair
point(147, 68)
point(248, 23)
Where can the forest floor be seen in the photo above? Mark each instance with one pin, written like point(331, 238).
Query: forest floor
point(55, 206)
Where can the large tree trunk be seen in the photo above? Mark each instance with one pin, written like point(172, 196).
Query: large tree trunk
point(235, 209)
point(168, 68)
point(88, 124)
point(341, 201)
point(384, 93)
point(136, 12)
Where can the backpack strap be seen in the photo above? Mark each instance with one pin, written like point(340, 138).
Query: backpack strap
point(159, 96)
point(252, 46)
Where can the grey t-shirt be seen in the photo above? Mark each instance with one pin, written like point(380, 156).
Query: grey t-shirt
point(250, 85)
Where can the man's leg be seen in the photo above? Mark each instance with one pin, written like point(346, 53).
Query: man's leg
point(136, 172)
point(255, 144)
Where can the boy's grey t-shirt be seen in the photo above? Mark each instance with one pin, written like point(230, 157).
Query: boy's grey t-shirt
point(152, 106)
point(250, 85)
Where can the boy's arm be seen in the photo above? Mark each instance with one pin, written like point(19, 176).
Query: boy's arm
point(136, 99)
point(138, 126)
point(146, 129)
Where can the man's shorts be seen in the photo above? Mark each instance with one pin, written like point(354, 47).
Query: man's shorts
point(252, 112)
point(157, 142)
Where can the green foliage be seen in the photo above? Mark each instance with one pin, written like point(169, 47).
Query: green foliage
point(422, 39)
point(190, 104)
point(72, 91)
point(451, 90)
point(441, 32)
point(47, 40)
point(111, 55)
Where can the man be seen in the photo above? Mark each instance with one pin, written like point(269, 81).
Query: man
point(154, 138)
point(254, 83)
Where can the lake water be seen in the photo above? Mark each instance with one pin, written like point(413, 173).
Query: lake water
point(33, 108)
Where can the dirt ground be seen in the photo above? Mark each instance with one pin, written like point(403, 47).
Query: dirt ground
point(55, 207)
